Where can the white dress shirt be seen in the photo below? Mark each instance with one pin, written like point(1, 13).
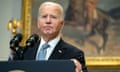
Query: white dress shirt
point(52, 44)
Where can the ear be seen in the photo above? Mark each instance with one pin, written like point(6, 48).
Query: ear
point(62, 24)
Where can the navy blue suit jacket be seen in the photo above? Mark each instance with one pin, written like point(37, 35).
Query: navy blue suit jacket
point(62, 51)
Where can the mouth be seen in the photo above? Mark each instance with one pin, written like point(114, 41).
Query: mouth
point(47, 27)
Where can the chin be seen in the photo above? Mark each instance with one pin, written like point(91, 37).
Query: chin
point(47, 33)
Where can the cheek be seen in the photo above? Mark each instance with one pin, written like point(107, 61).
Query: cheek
point(39, 24)
point(58, 28)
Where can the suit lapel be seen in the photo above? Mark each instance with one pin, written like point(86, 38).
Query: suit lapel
point(36, 48)
point(59, 50)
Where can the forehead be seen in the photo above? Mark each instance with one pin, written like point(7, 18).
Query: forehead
point(50, 7)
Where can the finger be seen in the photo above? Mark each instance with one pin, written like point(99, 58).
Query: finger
point(78, 67)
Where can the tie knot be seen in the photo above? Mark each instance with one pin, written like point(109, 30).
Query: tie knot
point(45, 46)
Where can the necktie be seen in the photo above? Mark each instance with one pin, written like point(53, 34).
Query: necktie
point(42, 53)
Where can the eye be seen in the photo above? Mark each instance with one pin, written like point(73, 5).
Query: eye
point(43, 16)
point(54, 17)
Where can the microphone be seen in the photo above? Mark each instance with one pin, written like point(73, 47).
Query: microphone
point(32, 40)
point(14, 43)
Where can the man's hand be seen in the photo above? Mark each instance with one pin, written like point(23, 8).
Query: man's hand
point(78, 66)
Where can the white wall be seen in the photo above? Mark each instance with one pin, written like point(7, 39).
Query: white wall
point(8, 9)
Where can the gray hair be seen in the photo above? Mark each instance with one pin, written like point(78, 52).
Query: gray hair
point(55, 4)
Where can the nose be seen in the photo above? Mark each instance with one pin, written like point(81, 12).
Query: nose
point(48, 20)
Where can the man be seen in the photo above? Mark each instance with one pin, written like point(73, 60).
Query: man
point(50, 24)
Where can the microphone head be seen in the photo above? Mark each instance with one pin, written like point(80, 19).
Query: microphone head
point(18, 37)
point(14, 42)
point(34, 37)
point(32, 40)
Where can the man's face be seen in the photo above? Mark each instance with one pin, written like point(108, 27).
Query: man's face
point(49, 20)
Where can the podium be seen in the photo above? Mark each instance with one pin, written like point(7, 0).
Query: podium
point(37, 66)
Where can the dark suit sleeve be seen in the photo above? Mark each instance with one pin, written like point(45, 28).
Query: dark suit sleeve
point(70, 51)
point(81, 59)
point(79, 55)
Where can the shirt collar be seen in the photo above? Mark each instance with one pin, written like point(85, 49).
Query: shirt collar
point(52, 42)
